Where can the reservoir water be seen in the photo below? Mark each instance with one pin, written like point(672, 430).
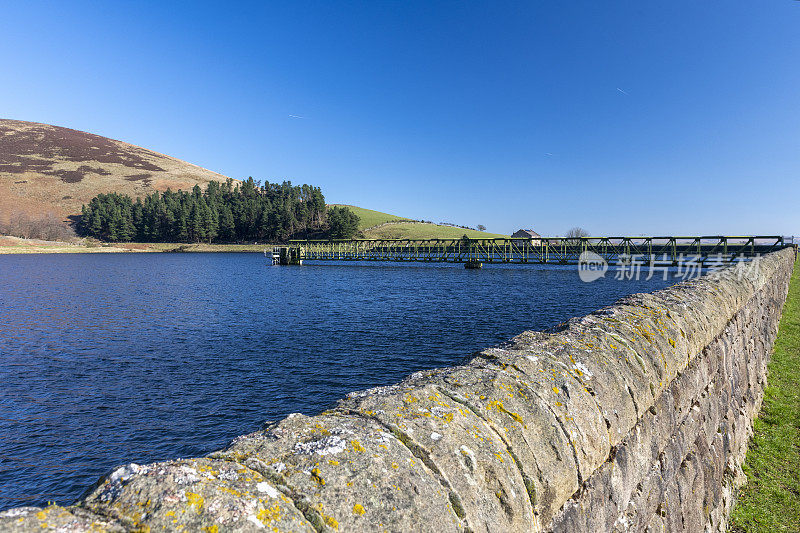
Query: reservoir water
point(107, 359)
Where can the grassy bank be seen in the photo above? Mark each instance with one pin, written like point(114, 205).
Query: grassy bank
point(203, 247)
point(392, 230)
point(771, 499)
point(15, 245)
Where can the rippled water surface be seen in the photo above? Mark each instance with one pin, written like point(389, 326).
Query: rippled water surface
point(107, 359)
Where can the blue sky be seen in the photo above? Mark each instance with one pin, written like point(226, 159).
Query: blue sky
point(678, 117)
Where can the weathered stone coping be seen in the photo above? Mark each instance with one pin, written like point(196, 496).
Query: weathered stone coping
point(500, 444)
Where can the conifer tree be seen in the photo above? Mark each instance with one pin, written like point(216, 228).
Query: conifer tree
point(224, 212)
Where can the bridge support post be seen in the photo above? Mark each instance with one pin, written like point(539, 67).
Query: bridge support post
point(473, 265)
point(290, 256)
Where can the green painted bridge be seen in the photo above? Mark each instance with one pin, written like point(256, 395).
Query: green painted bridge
point(661, 251)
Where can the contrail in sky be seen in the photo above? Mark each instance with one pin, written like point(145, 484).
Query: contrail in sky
point(296, 116)
point(623, 92)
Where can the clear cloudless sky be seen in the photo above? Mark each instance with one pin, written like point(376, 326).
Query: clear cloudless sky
point(629, 117)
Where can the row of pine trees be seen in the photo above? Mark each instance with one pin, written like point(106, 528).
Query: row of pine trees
point(224, 212)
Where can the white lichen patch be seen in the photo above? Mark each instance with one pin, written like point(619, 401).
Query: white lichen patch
point(124, 473)
point(435, 436)
point(19, 511)
point(383, 438)
point(228, 475)
point(268, 489)
point(327, 446)
point(255, 521)
point(215, 506)
point(375, 391)
point(468, 462)
point(186, 475)
point(582, 369)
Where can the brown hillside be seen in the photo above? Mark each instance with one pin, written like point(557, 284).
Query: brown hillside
point(50, 169)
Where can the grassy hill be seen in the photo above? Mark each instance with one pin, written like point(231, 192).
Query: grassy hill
point(50, 169)
point(369, 218)
point(424, 230)
point(377, 225)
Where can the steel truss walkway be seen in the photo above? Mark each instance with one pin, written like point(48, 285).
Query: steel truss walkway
point(669, 251)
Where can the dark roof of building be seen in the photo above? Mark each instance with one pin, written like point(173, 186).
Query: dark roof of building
point(526, 233)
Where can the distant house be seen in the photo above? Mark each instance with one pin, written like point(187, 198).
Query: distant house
point(526, 235)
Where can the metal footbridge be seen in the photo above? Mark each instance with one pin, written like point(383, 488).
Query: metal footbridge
point(662, 251)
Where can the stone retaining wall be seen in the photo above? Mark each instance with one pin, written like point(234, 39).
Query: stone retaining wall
point(635, 417)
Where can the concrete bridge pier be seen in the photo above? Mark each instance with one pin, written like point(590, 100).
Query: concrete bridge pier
point(473, 265)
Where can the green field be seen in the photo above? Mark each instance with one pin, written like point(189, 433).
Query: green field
point(370, 218)
point(422, 230)
point(394, 227)
point(771, 499)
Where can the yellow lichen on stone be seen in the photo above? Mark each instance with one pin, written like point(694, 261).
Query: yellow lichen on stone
point(195, 500)
point(329, 520)
point(315, 473)
point(318, 428)
point(357, 446)
point(211, 529)
point(498, 405)
point(269, 514)
point(495, 404)
point(358, 509)
point(231, 491)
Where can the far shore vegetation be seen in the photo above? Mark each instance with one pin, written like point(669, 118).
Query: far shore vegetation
point(222, 213)
point(770, 501)
point(227, 216)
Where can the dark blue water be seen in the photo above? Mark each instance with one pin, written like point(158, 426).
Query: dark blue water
point(108, 359)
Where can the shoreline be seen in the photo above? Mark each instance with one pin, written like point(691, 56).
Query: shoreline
point(17, 245)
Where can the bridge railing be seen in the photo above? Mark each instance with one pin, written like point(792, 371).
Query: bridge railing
point(663, 250)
